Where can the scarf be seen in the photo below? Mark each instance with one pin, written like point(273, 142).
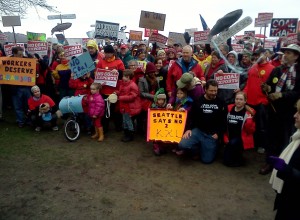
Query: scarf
point(287, 78)
point(287, 154)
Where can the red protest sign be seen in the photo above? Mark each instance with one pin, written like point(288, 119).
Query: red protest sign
point(264, 18)
point(38, 47)
point(147, 32)
point(228, 80)
point(106, 77)
point(237, 47)
point(201, 37)
point(72, 50)
point(8, 48)
point(156, 37)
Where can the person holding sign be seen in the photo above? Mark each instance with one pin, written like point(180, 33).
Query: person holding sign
point(205, 124)
point(239, 132)
point(94, 52)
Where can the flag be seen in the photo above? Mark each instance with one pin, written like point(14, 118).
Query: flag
point(204, 25)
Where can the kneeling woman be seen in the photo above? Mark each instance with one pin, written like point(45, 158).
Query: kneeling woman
point(42, 109)
point(240, 129)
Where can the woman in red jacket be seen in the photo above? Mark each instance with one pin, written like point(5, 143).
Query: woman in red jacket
point(240, 129)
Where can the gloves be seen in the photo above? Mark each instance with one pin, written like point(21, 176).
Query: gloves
point(278, 163)
point(274, 96)
point(265, 87)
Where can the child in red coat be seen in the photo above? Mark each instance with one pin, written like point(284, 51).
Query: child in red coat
point(96, 110)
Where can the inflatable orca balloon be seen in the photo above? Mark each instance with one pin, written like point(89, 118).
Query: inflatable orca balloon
point(225, 22)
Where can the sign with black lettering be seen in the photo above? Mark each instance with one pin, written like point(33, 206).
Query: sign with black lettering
point(105, 29)
point(152, 20)
point(73, 50)
point(165, 125)
point(81, 65)
point(39, 47)
point(228, 80)
point(281, 27)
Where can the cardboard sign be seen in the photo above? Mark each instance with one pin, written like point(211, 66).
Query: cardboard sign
point(281, 27)
point(264, 18)
point(156, 37)
point(135, 35)
point(148, 32)
point(257, 24)
point(17, 71)
point(201, 37)
point(175, 38)
point(36, 36)
point(3, 37)
point(72, 50)
point(8, 48)
point(237, 27)
point(142, 65)
point(81, 65)
point(106, 77)
point(152, 20)
point(41, 48)
point(228, 80)
point(105, 29)
point(238, 47)
point(164, 125)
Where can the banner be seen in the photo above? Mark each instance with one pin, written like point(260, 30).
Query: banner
point(36, 36)
point(156, 37)
point(8, 48)
point(201, 37)
point(81, 65)
point(72, 50)
point(17, 71)
point(165, 125)
point(106, 77)
point(136, 35)
point(41, 48)
point(105, 29)
point(281, 27)
point(228, 80)
point(147, 32)
point(152, 20)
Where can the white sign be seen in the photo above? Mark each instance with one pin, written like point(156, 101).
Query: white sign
point(105, 29)
point(106, 77)
point(9, 21)
point(264, 18)
point(73, 50)
point(65, 16)
point(257, 24)
point(201, 37)
point(39, 47)
point(238, 47)
point(8, 48)
point(228, 80)
point(223, 36)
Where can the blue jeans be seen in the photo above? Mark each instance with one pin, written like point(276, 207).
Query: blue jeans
point(127, 122)
point(202, 143)
point(20, 97)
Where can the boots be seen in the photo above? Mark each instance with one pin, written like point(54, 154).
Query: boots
point(128, 136)
point(101, 135)
point(96, 133)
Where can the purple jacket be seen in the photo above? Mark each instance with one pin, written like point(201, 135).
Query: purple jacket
point(96, 105)
point(195, 93)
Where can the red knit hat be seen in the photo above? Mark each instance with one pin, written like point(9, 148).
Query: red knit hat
point(150, 68)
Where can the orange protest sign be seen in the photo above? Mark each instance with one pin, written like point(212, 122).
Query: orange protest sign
point(165, 125)
point(17, 71)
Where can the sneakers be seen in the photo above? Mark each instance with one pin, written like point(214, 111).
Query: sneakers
point(55, 128)
point(37, 129)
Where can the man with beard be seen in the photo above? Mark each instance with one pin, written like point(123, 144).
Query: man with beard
point(205, 124)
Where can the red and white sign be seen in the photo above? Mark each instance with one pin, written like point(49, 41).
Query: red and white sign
point(270, 44)
point(85, 40)
point(8, 48)
point(257, 24)
point(281, 27)
point(292, 38)
point(135, 35)
point(106, 77)
point(201, 37)
point(73, 50)
point(264, 18)
point(3, 37)
point(156, 37)
point(237, 47)
point(228, 80)
point(147, 32)
point(39, 47)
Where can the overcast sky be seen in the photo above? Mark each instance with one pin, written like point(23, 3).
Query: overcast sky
point(180, 15)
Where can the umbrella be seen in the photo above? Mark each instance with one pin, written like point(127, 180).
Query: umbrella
point(260, 36)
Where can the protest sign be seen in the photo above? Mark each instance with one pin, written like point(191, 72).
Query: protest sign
point(264, 18)
point(159, 38)
point(106, 77)
point(238, 47)
point(257, 24)
point(148, 32)
point(36, 36)
point(269, 44)
point(136, 35)
point(201, 37)
point(152, 20)
point(72, 50)
point(228, 80)
point(17, 71)
point(281, 27)
point(41, 48)
point(8, 48)
point(3, 37)
point(164, 125)
point(81, 65)
point(142, 65)
point(105, 29)
point(250, 35)
point(175, 38)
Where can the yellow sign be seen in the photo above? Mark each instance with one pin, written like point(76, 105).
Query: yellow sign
point(17, 71)
point(165, 125)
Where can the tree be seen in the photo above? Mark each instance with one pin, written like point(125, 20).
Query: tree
point(19, 7)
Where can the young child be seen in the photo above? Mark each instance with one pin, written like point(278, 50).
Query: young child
point(130, 104)
point(183, 101)
point(96, 110)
